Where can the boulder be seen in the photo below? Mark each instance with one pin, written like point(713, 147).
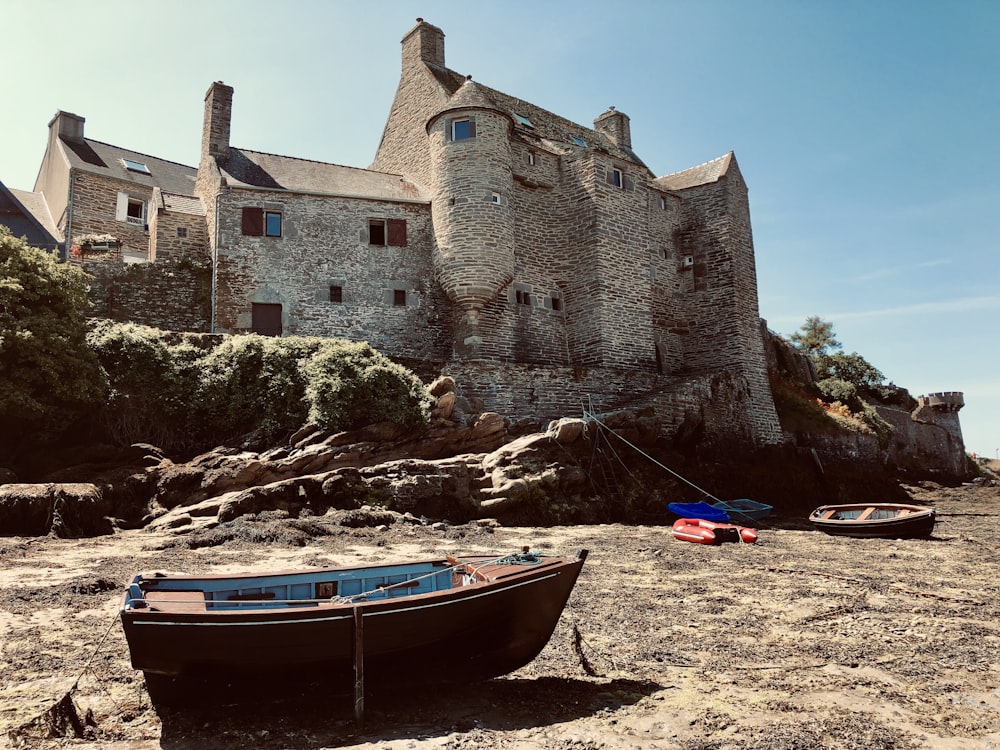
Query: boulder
point(65, 510)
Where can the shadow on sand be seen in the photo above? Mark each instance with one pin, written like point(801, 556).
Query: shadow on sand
point(313, 717)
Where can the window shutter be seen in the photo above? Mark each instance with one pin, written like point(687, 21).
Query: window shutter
point(472, 127)
point(121, 208)
point(397, 232)
point(627, 183)
point(609, 177)
point(253, 221)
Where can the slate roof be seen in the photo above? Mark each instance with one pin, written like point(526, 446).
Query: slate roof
point(558, 131)
point(100, 158)
point(256, 169)
point(710, 171)
point(184, 204)
point(27, 215)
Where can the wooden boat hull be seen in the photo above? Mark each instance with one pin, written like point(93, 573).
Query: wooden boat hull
point(700, 531)
point(469, 632)
point(875, 520)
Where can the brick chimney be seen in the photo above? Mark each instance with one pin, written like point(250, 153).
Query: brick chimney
point(423, 43)
point(615, 125)
point(218, 114)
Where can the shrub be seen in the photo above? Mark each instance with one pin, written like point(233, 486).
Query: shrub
point(846, 393)
point(351, 385)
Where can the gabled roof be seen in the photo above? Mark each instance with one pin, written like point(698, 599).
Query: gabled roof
point(27, 215)
point(92, 156)
point(703, 174)
point(254, 169)
point(547, 126)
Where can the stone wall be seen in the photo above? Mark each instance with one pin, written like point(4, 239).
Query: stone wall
point(324, 244)
point(172, 295)
point(925, 440)
point(95, 204)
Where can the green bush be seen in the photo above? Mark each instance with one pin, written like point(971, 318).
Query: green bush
point(846, 393)
point(350, 385)
point(49, 378)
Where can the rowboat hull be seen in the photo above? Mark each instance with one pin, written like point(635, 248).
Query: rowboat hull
point(497, 623)
point(875, 520)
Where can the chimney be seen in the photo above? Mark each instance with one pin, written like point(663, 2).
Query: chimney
point(615, 125)
point(67, 126)
point(424, 43)
point(218, 114)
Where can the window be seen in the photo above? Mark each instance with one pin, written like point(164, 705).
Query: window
point(135, 166)
point(130, 210)
point(135, 212)
point(399, 297)
point(530, 158)
point(663, 203)
point(272, 223)
point(579, 141)
point(522, 297)
point(556, 303)
point(495, 199)
point(522, 120)
point(462, 128)
point(617, 178)
point(182, 231)
point(390, 232)
point(336, 294)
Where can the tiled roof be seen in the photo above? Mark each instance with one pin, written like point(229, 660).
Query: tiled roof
point(710, 171)
point(547, 125)
point(101, 158)
point(36, 205)
point(184, 204)
point(256, 169)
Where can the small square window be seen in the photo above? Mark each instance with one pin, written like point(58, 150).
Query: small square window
point(376, 231)
point(399, 297)
point(496, 199)
point(136, 212)
point(182, 231)
point(135, 166)
point(579, 141)
point(522, 297)
point(272, 223)
point(336, 293)
point(462, 129)
point(557, 303)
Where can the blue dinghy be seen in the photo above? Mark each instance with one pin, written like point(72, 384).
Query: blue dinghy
point(700, 510)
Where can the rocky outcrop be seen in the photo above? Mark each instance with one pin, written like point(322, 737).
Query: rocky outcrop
point(64, 510)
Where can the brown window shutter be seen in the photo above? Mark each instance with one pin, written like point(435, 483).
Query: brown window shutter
point(397, 232)
point(253, 221)
point(627, 183)
point(472, 127)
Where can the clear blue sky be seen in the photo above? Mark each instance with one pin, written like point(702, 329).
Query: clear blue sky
point(868, 132)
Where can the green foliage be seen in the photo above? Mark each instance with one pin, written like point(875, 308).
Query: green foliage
point(814, 337)
point(350, 384)
point(181, 396)
point(846, 393)
point(150, 382)
point(852, 368)
point(48, 376)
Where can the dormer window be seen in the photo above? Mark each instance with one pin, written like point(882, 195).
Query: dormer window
point(522, 120)
point(130, 210)
point(579, 141)
point(462, 128)
point(135, 166)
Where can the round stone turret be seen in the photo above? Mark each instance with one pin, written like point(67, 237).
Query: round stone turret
point(472, 179)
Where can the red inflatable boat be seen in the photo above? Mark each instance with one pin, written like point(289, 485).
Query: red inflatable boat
point(700, 531)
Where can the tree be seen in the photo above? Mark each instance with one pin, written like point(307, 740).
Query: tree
point(815, 337)
point(48, 375)
point(851, 368)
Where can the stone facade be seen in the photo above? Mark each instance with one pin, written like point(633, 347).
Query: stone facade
point(929, 438)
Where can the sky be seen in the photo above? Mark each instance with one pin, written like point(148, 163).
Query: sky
point(868, 131)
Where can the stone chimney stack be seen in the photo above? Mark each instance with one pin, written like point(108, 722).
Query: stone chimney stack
point(215, 129)
point(424, 43)
point(616, 126)
point(67, 126)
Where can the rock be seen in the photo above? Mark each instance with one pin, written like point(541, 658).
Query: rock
point(65, 510)
point(445, 406)
point(444, 384)
point(566, 431)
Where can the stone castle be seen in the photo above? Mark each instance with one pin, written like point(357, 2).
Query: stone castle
point(537, 261)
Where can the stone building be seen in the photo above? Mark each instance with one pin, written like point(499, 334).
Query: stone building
point(538, 261)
